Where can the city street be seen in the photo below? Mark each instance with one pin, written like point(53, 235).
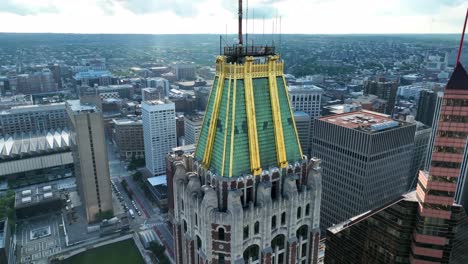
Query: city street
point(151, 216)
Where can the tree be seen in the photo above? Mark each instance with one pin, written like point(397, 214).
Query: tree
point(158, 251)
point(137, 176)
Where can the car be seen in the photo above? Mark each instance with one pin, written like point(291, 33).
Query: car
point(139, 213)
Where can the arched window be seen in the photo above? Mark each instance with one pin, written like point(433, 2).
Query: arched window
point(273, 222)
point(256, 227)
point(221, 233)
point(278, 242)
point(307, 209)
point(246, 232)
point(302, 232)
point(299, 212)
point(252, 254)
point(199, 243)
point(185, 226)
point(283, 218)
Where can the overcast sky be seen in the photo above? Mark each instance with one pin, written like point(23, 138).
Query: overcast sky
point(214, 16)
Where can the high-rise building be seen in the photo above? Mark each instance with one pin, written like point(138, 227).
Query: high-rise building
point(383, 89)
point(429, 225)
point(37, 82)
point(128, 137)
point(247, 195)
point(421, 143)
point(90, 158)
point(185, 71)
point(303, 128)
point(4, 85)
point(366, 160)
point(32, 118)
point(159, 133)
point(162, 85)
point(442, 191)
point(149, 94)
point(192, 127)
point(307, 99)
point(428, 100)
point(379, 236)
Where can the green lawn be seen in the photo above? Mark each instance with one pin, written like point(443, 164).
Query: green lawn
point(117, 253)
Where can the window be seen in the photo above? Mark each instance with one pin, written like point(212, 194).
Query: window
point(199, 243)
point(307, 212)
point(221, 233)
point(256, 227)
point(299, 212)
point(246, 232)
point(273, 222)
point(221, 259)
point(283, 218)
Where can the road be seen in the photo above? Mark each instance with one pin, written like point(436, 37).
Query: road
point(151, 215)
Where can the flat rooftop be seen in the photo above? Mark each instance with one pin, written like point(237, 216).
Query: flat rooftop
point(126, 121)
point(411, 197)
point(157, 102)
point(36, 195)
point(33, 108)
point(306, 87)
point(77, 107)
point(363, 120)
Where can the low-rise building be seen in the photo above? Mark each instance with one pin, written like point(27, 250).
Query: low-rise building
point(37, 200)
point(36, 154)
point(192, 127)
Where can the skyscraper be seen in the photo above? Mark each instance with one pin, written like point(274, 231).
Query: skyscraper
point(366, 162)
point(379, 236)
point(90, 158)
point(386, 90)
point(442, 191)
point(307, 99)
point(247, 195)
point(428, 100)
point(303, 128)
point(159, 133)
point(429, 225)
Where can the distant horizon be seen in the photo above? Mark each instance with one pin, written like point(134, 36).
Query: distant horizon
point(305, 17)
point(232, 34)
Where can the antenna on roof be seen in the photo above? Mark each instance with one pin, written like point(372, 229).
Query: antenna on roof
point(240, 23)
point(247, 23)
point(462, 38)
point(280, 43)
point(263, 36)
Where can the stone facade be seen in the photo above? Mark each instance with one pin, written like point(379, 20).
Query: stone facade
point(269, 218)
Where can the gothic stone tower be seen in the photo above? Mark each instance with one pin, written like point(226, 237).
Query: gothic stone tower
point(247, 194)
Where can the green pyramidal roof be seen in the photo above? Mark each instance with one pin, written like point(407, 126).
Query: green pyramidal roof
point(248, 124)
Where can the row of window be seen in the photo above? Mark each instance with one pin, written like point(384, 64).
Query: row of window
point(455, 102)
point(273, 221)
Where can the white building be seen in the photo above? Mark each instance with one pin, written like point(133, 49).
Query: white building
point(306, 98)
point(415, 89)
point(159, 132)
point(192, 127)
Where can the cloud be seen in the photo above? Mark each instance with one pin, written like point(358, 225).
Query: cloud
point(182, 8)
point(219, 16)
point(23, 8)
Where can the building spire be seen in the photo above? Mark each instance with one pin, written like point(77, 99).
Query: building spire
point(240, 23)
point(462, 38)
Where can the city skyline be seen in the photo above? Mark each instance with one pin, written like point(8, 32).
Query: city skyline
point(190, 17)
